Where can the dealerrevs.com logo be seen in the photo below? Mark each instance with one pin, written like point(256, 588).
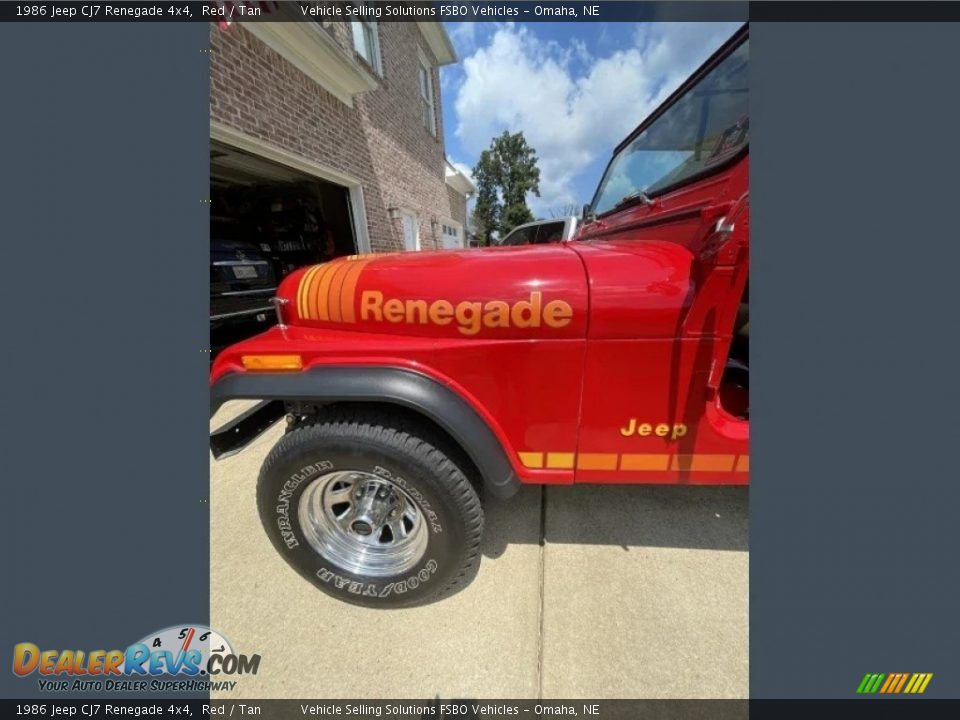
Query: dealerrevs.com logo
point(201, 658)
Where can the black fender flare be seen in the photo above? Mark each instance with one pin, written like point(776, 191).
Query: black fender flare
point(396, 386)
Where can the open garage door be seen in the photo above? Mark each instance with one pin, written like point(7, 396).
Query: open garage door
point(266, 220)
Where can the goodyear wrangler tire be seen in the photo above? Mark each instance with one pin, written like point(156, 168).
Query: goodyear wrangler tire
point(369, 513)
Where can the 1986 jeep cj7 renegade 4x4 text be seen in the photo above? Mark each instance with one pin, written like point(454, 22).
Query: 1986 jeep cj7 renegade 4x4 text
point(415, 383)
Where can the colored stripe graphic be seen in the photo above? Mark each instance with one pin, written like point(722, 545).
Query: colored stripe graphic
point(900, 682)
point(319, 296)
point(633, 462)
point(875, 681)
point(597, 461)
point(721, 463)
point(531, 459)
point(327, 291)
point(560, 461)
point(302, 290)
point(644, 461)
point(350, 290)
point(311, 291)
point(894, 683)
point(336, 287)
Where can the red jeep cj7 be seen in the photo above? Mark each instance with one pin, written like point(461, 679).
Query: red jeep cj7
point(415, 383)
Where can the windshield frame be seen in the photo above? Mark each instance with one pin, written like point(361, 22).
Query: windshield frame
point(735, 40)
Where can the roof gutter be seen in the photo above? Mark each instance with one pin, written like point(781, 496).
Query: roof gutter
point(439, 42)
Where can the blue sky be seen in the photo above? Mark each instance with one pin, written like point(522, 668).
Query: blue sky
point(574, 89)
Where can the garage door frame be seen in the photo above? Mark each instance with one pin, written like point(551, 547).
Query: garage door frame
point(241, 141)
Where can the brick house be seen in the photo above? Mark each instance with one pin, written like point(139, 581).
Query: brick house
point(334, 131)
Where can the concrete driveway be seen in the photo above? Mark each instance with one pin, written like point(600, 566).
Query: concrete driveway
point(583, 592)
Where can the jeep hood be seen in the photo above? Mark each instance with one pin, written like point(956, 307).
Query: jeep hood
point(491, 293)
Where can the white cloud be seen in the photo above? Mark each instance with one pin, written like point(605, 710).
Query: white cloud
point(518, 82)
point(463, 35)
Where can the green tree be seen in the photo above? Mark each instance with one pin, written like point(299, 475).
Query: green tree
point(486, 210)
point(504, 174)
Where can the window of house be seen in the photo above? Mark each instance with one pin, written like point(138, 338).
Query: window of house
point(451, 236)
point(366, 41)
point(427, 110)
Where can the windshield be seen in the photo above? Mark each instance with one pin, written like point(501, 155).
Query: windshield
point(708, 124)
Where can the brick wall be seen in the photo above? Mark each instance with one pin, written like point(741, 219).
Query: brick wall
point(458, 206)
point(381, 140)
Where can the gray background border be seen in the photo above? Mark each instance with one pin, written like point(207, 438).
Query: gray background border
point(854, 257)
point(105, 162)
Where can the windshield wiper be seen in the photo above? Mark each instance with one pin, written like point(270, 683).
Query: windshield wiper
point(636, 196)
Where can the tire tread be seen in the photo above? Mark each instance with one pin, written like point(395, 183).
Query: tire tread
point(411, 438)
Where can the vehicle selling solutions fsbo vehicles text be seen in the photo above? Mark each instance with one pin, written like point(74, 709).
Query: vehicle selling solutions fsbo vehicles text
point(377, 12)
point(373, 12)
point(449, 709)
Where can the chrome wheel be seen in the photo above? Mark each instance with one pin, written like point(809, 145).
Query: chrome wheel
point(363, 523)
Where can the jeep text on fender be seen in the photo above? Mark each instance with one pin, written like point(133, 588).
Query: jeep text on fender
point(413, 382)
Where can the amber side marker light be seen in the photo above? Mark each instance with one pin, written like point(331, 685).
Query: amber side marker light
point(266, 363)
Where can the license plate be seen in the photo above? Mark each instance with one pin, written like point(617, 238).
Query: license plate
point(244, 271)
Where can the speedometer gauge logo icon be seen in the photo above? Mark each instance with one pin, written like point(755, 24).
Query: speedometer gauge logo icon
point(182, 642)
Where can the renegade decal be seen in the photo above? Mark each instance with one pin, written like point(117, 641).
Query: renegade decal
point(698, 462)
point(470, 317)
point(633, 427)
point(328, 291)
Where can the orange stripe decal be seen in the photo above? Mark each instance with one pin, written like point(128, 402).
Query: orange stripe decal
point(743, 464)
point(347, 295)
point(560, 461)
point(312, 311)
point(336, 286)
point(887, 683)
point(302, 304)
point(637, 461)
point(319, 298)
point(631, 462)
point(597, 461)
point(703, 462)
point(903, 679)
point(303, 282)
point(531, 459)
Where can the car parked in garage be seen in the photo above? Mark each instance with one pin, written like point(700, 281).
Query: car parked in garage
point(242, 283)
